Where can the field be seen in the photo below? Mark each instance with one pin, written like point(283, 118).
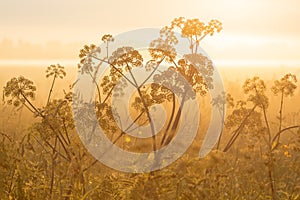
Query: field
point(249, 162)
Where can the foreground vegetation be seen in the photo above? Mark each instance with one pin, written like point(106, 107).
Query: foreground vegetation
point(257, 156)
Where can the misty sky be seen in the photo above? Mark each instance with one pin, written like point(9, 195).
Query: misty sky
point(253, 30)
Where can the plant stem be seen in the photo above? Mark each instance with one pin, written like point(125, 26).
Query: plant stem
point(97, 86)
point(53, 167)
point(51, 89)
point(47, 121)
point(146, 109)
point(280, 115)
point(237, 131)
point(223, 113)
point(170, 120)
point(118, 70)
point(115, 141)
point(283, 130)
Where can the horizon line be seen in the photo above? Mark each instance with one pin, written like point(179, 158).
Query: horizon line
point(217, 62)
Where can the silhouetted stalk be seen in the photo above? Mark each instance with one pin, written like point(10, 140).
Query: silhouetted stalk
point(238, 130)
point(53, 168)
point(196, 44)
point(66, 132)
point(51, 89)
point(154, 70)
point(32, 106)
point(134, 84)
point(97, 86)
point(170, 120)
point(283, 130)
point(147, 111)
point(265, 116)
point(118, 70)
point(108, 95)
point(51, 127)
point(280, 115)
point(178, 115)
point(40, 144)
point(29, 108)
point(6, 136)
point(115, 141)
point(270, 164)
point(60, 154)
point(221, 132)
point(267, 124)
point(177, 118)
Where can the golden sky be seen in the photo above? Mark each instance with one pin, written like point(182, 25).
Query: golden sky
point(253, 29)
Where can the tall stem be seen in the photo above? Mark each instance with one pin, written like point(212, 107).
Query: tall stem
point(283, 130)
point(270, 153)
point(97, 86)
point(147, 111)
point(53, 168)
point(280, 115)
point(178, 115)
point(47, 121)
point(51, 89)
point(118, 70)
point(170, 120)
point(238, 130)
point(221, 133)
point(177, 118)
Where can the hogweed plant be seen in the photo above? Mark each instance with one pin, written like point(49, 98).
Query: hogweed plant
point(255, 122)
point(255, 157)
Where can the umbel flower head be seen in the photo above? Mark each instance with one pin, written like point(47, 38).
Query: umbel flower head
point(19, 90)
point(56, 71)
